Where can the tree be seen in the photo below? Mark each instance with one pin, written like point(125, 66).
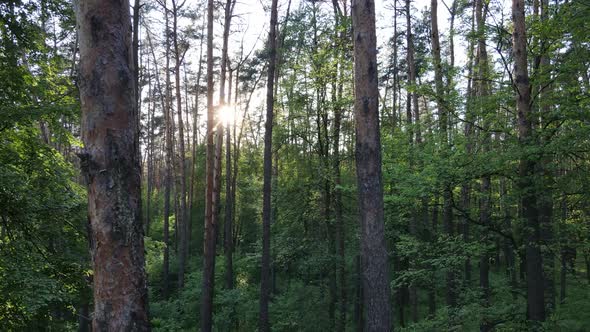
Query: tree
point(483, 91)
point(110, 163)
point(263, 320)
point(228, 239)
point(522, 87)
point(210, 221)
point(376, 292)
point(181, 217)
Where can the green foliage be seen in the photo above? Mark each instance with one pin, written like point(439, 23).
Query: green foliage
point(43, 261)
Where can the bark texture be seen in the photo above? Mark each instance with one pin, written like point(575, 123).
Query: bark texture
point(374, 261)
point(264, 323)
point(111, 165)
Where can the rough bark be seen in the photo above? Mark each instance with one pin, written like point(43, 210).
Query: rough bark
point(135, 46)
point(111, 164)
point(374, 261)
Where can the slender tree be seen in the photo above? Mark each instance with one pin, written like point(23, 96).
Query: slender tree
point(482, 92)
point(182, 216)
point(414, 133)
point(210, 221)
point(264, 322)
point(534, 264)
point(229, 7)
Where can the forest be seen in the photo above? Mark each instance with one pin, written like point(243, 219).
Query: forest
point(295, 165)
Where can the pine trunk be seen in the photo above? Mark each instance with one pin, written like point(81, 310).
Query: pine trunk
point(374, 258)
point(111, 164)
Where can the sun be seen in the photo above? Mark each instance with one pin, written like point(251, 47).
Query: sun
point(226, 114)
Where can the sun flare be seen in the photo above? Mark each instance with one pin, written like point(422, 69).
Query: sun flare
point(226, 114)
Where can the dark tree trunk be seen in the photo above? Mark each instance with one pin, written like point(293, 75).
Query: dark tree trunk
point(483, 91)
point(451, 292)
point(169, 162)
point(84, 321)
point(546, 197)
point(534, 263)
point(228, 247)
point(210, 221)
point(563, 277)
point(195, 132)
point(358, 306)
point(340, 227)
point(264, 323)
point(135, 46)
point(167, 174)
point(374, 261)
point(468, 131)
point(414, 117)
point(182, 216)
point(111, 164)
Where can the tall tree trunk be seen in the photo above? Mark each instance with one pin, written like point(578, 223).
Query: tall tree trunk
point(210, 221)
point(264, 323)
point(451, 292)
point(111, 164)
point(413, 115)
point(340, 227)
point(150, 152)
point(483, 92)
point(196, 130)
point(165, 101)
point(546, 197)
point(169, 148)
point(229, 5)
point(394, 108)
point(468, 131)
point(374, 261)
point(182, 216)
point(135, 46)
point(534, 264)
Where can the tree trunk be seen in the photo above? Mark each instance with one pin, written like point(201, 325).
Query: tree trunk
point(111, 164)
point(483, 91)
point(195, 131)
point(167, 172)
point(340, 227)
point(182, 216)
point(264, 323)
point(229, 6)
point(563, 277)
point(546, 196)
point(135, 46)
point(210, 221)
point(534, 264)
point(415, 137)
point(451, 292)
point(374, 261)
